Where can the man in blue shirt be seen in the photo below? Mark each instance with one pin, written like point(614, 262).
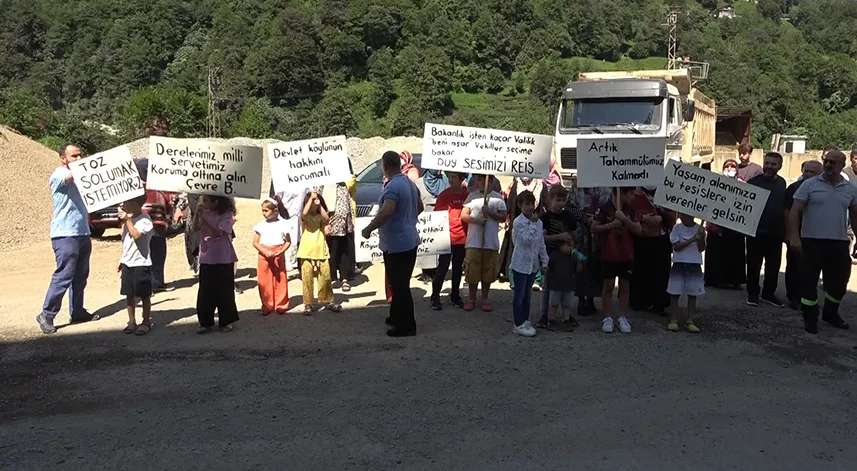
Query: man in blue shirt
point(71, 243)
point(396, 222)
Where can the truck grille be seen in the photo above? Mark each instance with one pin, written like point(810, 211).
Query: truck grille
point(568, 158)
point(363, 210)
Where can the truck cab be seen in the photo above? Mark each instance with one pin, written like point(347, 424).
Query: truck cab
point(626, 104)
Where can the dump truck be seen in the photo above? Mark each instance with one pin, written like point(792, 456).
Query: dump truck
point(661, 103)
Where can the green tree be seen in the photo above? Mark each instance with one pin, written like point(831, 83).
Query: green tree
point(25, 112)
point(334, 113)
point(549, 79)
point(184, 112)
point(425, 76)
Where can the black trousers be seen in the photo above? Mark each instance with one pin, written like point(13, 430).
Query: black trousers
point(457, 258)
point(651, 273)
point(341, 256)
point(399, 267)
point(793, 276)
point(832, 258)
point(769, 249)
point(216, 293)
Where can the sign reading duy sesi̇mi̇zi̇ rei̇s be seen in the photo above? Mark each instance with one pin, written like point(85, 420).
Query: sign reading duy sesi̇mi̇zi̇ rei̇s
point(107, 178)
point(203, 167)
point(433, 228)
point(621, 161)
point(308, 163)
point(486, 151)
point(712, 197)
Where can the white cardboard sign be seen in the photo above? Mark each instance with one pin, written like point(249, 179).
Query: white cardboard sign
point(107, 178)
point(621, 161)
point(433, 228)
point(203, 167)
point(711, 197)
point(486, 151)
point(308, 163)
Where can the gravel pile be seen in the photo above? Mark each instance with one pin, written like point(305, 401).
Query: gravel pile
point(25, 197)
point(361, 151)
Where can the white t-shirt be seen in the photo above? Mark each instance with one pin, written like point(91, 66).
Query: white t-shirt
point(136, 253)
point(475, 201)
point(691, 253)
point(272, 233)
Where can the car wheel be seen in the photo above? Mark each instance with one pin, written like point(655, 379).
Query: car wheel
point(96, 231)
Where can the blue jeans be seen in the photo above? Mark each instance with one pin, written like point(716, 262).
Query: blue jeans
point(158, 248)
point(521, 296)
point(72, 256)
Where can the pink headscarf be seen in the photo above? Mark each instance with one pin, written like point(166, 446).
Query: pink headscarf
point(408, 168)
point(553, 176)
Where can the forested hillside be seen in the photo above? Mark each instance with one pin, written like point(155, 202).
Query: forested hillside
point(298, 69)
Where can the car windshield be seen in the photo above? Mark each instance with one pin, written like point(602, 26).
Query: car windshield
point(637, 113)
point(375, 174)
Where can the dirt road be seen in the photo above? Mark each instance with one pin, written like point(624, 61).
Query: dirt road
point(333, 392)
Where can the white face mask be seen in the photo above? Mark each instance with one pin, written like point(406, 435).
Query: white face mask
point(730, 172)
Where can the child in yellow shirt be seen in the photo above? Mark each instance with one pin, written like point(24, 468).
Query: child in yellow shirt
point(314, 256)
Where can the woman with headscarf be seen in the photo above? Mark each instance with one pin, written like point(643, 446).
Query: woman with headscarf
point(435, 182)
point(408, 168)
point(342, 209)
point(185, 204)
point(583, 204)
point(652, 254)
point(519, 185)
point(725, 256)
point(554, 177)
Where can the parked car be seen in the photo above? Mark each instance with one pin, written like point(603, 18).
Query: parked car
point(103, 219)
point(370, 182)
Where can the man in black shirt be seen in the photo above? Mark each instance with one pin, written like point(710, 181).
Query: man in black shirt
point(809, 169)
point(770, 234)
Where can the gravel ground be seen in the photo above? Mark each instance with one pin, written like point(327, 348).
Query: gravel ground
point(333, 392)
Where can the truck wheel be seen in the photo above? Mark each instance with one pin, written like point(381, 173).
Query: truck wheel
point(96, 232)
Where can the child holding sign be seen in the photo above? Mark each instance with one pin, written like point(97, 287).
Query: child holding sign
point(688, 240)
point(272, 240)
point(617, 255)
point(483, 215)
point(135, 264)
point(314, 255)
point(214, 219)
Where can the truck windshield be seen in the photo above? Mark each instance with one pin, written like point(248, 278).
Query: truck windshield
point(626, 113)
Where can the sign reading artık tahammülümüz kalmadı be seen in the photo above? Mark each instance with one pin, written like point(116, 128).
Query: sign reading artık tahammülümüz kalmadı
point(107, 178)
point(621, 161)
point(433, 228)
point(712, 197)
point(486, 151)
point(204, 167)
point(308, 163)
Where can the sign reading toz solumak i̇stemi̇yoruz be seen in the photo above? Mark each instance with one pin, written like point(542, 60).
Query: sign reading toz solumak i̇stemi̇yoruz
point(711, 197)
point(433, 228)
point(107, 178)
point(203, 167)
point(308, 163)
point(621, 161)
point(486, 151)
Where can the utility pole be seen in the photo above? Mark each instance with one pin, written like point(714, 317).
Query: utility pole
point(213, 127)
point(672, 24)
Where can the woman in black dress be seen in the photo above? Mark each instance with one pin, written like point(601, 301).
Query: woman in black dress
point(725, 258)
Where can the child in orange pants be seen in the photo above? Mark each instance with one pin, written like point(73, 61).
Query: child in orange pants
point(272, 241)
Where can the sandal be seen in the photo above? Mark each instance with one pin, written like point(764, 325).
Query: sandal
point(469, 305)
point(345, 287)
point(129, 329)
point(487, 306)
point(143, 329)
point(307, 310)
point(333, 307)
point(227, 328)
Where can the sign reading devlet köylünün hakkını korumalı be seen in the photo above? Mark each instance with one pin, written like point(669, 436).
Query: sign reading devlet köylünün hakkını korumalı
point(203, 167)
point(620, 161)
point(308, 163)
point(712, 197)
point(107, 178)
point(486, 151)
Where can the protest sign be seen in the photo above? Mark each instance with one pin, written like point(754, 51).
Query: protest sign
point(107, 178)
point(433, 228)
point(203, 167)
point(711, 197)
point(486, 151)
point(621, 161)
point(309, 163)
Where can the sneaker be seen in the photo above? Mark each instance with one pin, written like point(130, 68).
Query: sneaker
point(773, 301)
point(624, 325)
point(752, 301)
point(47, 325)
point(435, 304)
point(469, 305)
point(524, 330)
point(572, 322)
point(672, 326)
point(457, 302)
point(543, 323)
point(607, 325)
point(692, 328)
